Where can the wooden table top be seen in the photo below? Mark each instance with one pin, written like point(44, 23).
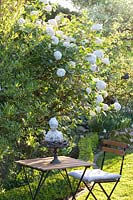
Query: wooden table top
point(44, 164)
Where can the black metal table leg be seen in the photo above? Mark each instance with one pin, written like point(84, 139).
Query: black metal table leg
point(66, 178)
point(27, 180)
point(40, 183)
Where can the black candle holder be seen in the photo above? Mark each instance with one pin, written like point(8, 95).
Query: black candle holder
point(55, 145)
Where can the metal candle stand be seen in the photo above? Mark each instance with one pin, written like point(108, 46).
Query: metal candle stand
point(55, 146)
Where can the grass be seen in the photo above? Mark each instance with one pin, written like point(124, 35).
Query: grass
point(124, 189)
point(56, 188)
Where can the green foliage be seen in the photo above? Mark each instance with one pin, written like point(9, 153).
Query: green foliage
point(31, 92)
point(87, 146)
point(54, 188)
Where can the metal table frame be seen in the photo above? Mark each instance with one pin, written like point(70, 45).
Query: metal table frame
point(45, 167)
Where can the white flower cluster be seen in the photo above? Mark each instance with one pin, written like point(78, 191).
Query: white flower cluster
point(55, 40)
point(21, 21)
point(94, 68)
point(91, 58)
point(49, 30)
point(99, 53)
point(106, 61)
point(34, 13)
point(57, 55)
point(72, 63)
point(100, 85)
point(117, 106)
point(48, 8)
point(61, 72)
point(44, 1)
point(88, 90)
point(97, 27)
point(99, 41)
point(60, 44)
point(99, 99)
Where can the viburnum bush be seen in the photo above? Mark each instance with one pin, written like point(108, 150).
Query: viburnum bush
point(49, 67)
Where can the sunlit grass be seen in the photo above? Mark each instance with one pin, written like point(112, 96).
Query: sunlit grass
point(124, 189)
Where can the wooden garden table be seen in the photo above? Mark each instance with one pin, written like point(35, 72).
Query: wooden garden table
point(44, 166)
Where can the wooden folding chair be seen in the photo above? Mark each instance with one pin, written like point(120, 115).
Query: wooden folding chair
point(99, 176)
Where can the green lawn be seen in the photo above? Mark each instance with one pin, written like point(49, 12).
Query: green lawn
point(124, 189)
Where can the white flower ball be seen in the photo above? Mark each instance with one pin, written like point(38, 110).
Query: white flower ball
point(85, 41)
point(44, 1)
point(106, 61)
point(39, 22)
point(21, 21)
point(48, 8)
point(34, 12)
point(59, 33)
point(91, 58)
point(100, 85)
point(99, 99)
point(52, 22)
point(105, 107)
point(97, 27)
point(117, 106)
point(99, 53)
point(72, 39)
point(50, 31)
point(72, 63)
point(66, 44)
point(72, 45)
point(65, 37)
point(99, 41)
point(55, 40)
point(94, 68)
point(57, 55)
point(98, 109)
point(57, 18)
point(88, 90)
point(61, 72)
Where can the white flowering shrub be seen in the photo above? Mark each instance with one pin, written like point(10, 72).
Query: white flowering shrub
point(50, 67)
point(58, 68)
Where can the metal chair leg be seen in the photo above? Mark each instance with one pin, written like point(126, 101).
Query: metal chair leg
point(90, 191)
point(79, 184)
point(108, 198)
point(108, 195)
point(113, 188)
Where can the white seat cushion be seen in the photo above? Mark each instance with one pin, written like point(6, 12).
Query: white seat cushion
point(94, 175)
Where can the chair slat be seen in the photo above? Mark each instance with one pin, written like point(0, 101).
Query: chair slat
point(111, 150)
point(115, 143)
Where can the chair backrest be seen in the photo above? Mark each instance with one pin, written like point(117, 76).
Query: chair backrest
point(114, 147)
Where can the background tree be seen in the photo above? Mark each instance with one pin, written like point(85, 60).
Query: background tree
point(50, 68)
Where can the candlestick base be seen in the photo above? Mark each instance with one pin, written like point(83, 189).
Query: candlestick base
point(54, 146)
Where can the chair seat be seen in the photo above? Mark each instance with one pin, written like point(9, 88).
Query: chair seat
point(95, 175)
